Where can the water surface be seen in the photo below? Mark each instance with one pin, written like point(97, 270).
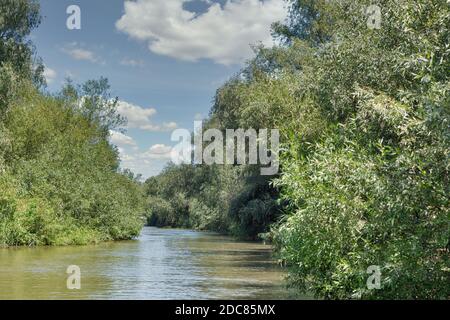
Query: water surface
point(161, 264)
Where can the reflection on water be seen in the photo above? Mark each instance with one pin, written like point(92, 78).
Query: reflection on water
point(162, 264)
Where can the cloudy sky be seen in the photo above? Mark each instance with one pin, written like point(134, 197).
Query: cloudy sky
point(163, 58)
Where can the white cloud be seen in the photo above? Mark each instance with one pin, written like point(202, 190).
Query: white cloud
point(78, 53)
point(165, 126)
point(157, 151)
point(49, 74)
point(222, 33)
point(140, 118)
point(148, 163)
point(132, 62)
point(137, 116)
point(119, 139)
point(160, 149)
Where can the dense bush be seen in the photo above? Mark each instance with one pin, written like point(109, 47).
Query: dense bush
point(226, 199)
point(60, 181)
point(373, 188)
point(364, 121)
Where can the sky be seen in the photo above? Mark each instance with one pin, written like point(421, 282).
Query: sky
point(164, 59)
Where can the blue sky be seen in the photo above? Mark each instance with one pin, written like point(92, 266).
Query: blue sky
point(164, 60)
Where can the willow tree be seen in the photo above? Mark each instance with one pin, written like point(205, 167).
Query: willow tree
point(371, 191)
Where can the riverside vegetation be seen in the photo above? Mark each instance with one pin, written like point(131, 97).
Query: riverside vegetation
point(363, 116)
point(59, 176)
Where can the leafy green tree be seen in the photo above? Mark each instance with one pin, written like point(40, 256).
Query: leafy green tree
point(363, 115)
point(17, 19)
point(63, 168)
point(310, 20)
point(372, 189)
point(94, 101)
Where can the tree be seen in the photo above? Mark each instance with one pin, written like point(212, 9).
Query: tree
point(310, 20)
point(363, 116)
point(59, 175)
point(372, 188)
point(93, 100)
point(17, 19)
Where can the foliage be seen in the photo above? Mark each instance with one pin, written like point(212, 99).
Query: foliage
point(363, 115)
point(64, 162)
point(373, 188)
point(60, 181)
point(17, 19)
point(219, 198)
point(93, 100)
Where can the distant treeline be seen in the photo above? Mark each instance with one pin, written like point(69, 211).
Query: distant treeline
point(363, 111)
point(60, 182)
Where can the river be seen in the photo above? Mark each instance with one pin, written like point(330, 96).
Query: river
point(161, 264)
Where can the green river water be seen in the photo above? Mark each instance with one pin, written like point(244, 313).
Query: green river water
point(161, 264)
